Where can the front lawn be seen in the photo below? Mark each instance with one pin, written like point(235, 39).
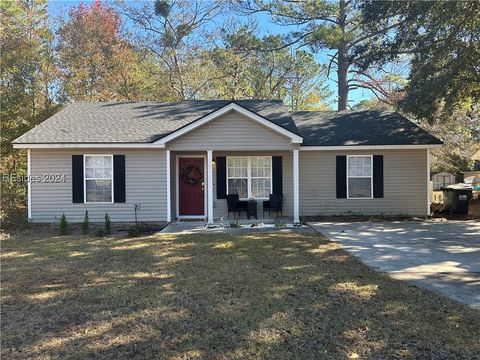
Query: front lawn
point(254, 296)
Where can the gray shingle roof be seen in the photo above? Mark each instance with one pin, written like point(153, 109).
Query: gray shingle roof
point(362, 127)
point(142, 122)
point(145, 122)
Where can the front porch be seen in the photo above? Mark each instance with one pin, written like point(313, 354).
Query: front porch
point(225, 225)
point(198, 182)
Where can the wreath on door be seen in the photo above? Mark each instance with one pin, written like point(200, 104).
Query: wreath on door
point(192, 174)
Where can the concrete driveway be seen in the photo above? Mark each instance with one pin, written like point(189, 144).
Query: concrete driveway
point(441, 256)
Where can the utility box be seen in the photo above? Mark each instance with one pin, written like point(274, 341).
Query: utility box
point(456, 198)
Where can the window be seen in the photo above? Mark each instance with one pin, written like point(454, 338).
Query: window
point(359, 177)
point(98, 178)
point(249, 177)
point(237, 176)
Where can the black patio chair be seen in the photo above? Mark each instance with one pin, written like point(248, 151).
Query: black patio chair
point(235, 205)
point(274, 204)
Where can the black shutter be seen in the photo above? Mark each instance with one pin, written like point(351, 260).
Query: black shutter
point(277, 175)
point(119, 178)
point(221, 177)
point(378, 176)
point(341, 177)
point(77, 178)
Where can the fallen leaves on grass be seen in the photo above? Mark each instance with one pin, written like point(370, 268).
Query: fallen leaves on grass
point(291, 295)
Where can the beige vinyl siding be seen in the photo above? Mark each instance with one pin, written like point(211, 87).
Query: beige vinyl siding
point(232, 131)
point(405, 184)
point(145, 177)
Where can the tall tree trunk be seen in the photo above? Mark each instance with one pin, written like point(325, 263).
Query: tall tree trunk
point(342, 73)
point(342, 67)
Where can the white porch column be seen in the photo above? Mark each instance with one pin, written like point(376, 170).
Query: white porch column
point(296, 193)
point(428, 183)
point(29, 185)
point(210, 186)
point(169, 192)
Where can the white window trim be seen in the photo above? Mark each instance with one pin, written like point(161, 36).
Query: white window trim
point(365, 177)
point(249, 176)
point(85, 181)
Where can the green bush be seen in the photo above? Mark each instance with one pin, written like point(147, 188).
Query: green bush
point(13, 217)
point(133, 231)
point(100, 232)
point(137, 230)
point(108, 225)
point(85, 224)
point(63, 225)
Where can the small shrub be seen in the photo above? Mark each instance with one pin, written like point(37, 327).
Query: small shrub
point(63, 225)
point(85, 224)
point(108, 225)
point(12, 217)
point(139, 229)
point(100, 233)
point(280, 225)
point(133, 231)
point(234, 225)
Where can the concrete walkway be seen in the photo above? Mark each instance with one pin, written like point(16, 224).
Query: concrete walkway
point(199, 227)
point(441, 256)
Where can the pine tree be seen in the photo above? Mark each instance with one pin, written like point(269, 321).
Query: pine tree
point(108, 225)
point(63, 225)
point(85, 224)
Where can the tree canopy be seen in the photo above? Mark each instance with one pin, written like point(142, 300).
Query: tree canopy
point(443, 41)
point(334, 26)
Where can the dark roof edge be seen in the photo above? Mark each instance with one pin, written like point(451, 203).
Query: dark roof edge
point(373, 145)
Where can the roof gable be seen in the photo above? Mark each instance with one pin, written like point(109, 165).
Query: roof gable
point(231, 131)
point(233, 106)
point(476, 155)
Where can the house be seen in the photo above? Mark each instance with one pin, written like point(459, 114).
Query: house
point(180, 160)
point(473, 177)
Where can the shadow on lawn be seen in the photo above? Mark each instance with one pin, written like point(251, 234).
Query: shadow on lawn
point(274, 295)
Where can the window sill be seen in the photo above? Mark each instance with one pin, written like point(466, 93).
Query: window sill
point(255, 199)
point(97, 202)
point(360, 198)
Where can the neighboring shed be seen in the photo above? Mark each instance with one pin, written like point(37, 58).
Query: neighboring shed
point(442, 179)
point(476, 155)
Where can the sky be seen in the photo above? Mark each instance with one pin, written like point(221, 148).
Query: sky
point(60, 7)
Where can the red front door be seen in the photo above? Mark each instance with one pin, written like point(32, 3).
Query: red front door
point(191, 182)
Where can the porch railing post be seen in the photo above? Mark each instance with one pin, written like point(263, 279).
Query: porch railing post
point(296, 193)
point(210, 186)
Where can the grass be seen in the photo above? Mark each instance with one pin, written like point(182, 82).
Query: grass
point(291, 295)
